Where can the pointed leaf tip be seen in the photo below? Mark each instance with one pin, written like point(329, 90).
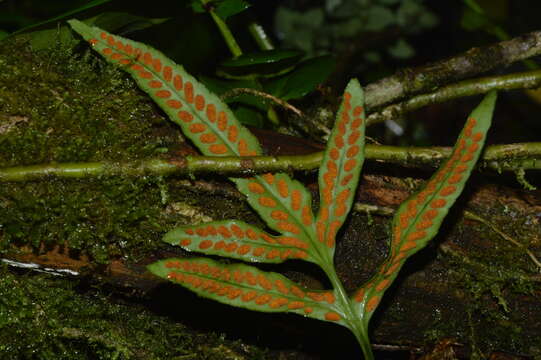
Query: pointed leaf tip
point(419, 218)
point(238, 240)
point(203, 116)
point(248, 287)
point(341, 166)
point(282, 202)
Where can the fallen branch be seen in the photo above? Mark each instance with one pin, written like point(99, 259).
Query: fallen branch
point(510, 157)
point(478, 86)
point(413, 81)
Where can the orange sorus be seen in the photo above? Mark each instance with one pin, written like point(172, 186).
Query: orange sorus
point(332, 316)
point(188, 92)
point(283, 189)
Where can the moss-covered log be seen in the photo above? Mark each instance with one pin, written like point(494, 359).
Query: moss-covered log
point(60, 106)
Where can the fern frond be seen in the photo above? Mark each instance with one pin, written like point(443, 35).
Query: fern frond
point(341, 165)
point(237, 240)
point(248, 287)
point(419, 218)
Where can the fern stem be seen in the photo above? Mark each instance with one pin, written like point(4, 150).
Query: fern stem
point(355, 324)
point(260, 36)
point(226, 33)
point(361, 335)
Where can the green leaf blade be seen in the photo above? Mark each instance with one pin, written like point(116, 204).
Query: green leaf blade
point(284, 204)
point(247, 287)
point(341, 165)
point(419, 218)
point(238, 240)
point(303, 79)
point(264, 57)
point(89, 5)
point(203, 117)
point(228, 8)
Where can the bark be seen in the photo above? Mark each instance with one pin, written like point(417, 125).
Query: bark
point(473, 62)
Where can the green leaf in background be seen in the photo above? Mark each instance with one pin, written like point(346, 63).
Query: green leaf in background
point(264, 57)
point(475, 17)
point(223, 8)
point(412, 9)
point(197, 6)
point(111, 21)
point(472, 20)
point(300, 27)
point(262, 63)
point(472, 4)
point(378, 18)
point(303, 79)
point(249, 116)
point(89, 5)
point(401, 49)
point(228, 8)
point(221, 87)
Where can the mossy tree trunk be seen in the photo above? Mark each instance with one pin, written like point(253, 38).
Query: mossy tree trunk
point(473, 287)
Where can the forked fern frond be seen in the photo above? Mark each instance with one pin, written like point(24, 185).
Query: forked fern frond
point(285, 204)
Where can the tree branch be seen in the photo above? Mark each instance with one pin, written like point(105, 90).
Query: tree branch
point(528, 79)
point(239, 91)
point(510, 157)
point(412, 81)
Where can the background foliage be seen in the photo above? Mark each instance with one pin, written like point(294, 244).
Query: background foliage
point(329, 40)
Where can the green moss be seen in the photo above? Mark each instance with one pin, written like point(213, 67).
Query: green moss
point(66, 105)
point(73, 108)
point(44, 317)
point(103, 218)
point(495, 289)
